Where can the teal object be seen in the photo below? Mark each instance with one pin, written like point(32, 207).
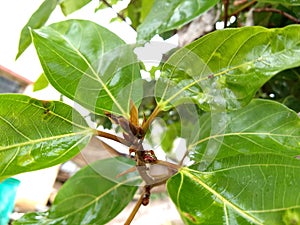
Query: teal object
point(8, 189)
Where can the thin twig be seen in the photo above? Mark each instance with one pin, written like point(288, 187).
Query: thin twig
point(183, 158)
point(110, 6)
point(290, 17)
point(226, 5)
point(242, 8)
point(135, 209)
point(113, 137)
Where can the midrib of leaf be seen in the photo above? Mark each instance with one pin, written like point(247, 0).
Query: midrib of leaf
point(259, 165)
point(185, 171)
point(94, 74)
point(275, 210)
point(31, 142)
point(247, 166)
point(62, 155)
point(99, 197)
point(241, 135)
point(18, 146)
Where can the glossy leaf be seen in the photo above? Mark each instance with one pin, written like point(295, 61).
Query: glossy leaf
point(243, 189)
point(69, 6)
point(92, 196)
point(224, 69)
point(134, 12)
point(38, 19)
point(38, 134)
point(90, 65)
point(283, 2)
point(246, 166)
point(40, 83)
point(138, 10)
point(167, 15)
point(146, 8)
point(263, 126)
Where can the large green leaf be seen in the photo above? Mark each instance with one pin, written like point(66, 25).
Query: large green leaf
point(239, 190)
point(167, 15)
point(38, 134)
point(263, 126)
point(89, 64)
point(224, 69)
point(92, 196)
point(246, 168)
point(38, 19)
point(69, 6)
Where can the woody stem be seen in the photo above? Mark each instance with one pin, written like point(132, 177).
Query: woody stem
point(113, 137)
point(135, 209)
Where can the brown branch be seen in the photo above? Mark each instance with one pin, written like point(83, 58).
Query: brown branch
point(113, 137)
point(135, 209)
point(226, 6)
point(242, 8)
point(290, 17)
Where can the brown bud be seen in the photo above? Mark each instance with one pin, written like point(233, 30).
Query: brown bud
point(145, 200)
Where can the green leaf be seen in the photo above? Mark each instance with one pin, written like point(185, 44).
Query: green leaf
point(70, 6)
point(138, 10)
point(40, 83)
point(261, 127)
point(38, 19)
point(134, 9)
point(92, 196)
point(38, 134)
point(283, 2)
point(167, 15)
point(170, 134)
point(224, 69)
point(243, 189)
point(146, 8)
point(90, 65)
